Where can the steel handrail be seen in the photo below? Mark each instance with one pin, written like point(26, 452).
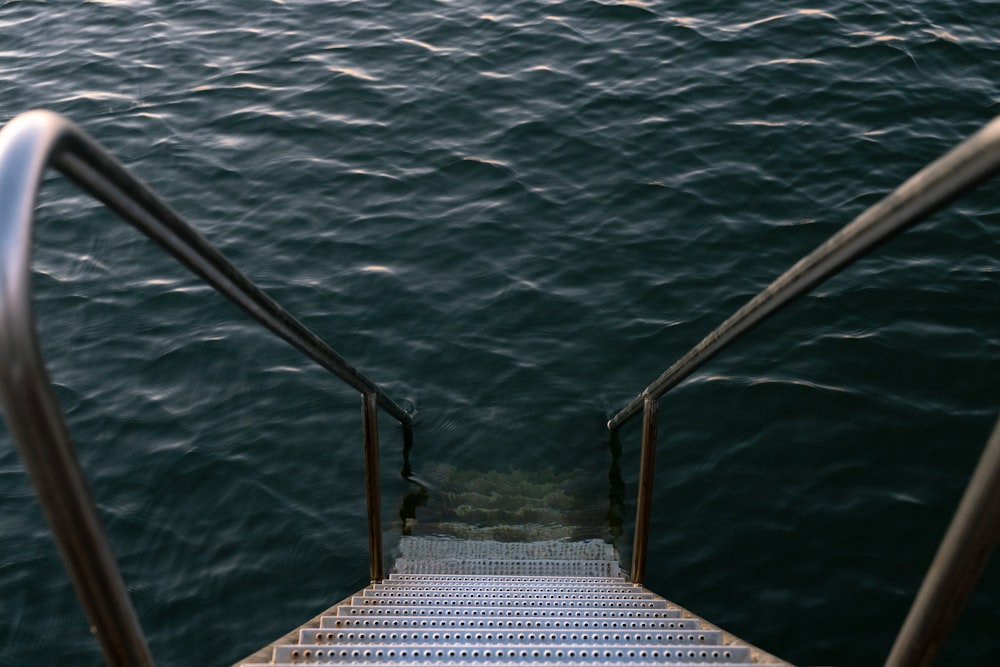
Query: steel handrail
point(962, 556)
point(963, 168)
point(29, 145)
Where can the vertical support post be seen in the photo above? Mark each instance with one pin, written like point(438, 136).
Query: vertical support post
point(407, 446)
point(373, 495)
point(644, 502)
point(961, 558)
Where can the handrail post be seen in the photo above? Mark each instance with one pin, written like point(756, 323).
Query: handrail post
point(961, 558)
point(405, 471)
point(644, 502)
point(373, 496)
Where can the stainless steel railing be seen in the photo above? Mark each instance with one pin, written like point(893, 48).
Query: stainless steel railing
point(963, 168)
point(29, 145)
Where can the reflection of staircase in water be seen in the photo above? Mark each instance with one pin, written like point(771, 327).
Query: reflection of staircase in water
point(510, 568)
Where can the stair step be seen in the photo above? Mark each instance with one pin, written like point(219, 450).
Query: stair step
point(519, 636)
point(500, 578)
point(555, 499)
point(522, 663)
point(518, 483)
point(473, 594)
point(534, 602)
point(668, 619)
point(473, 566)
point(508, 612)
point(515, 654)
point(541, 515)
point(512, 533)
point(501, 588)
point(438, 547)
point(508, 569)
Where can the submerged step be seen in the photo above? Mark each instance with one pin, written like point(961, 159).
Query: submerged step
point(585, 568)
point(415, 548)
point(513, 533)
point(537, 515)
point(551, 603)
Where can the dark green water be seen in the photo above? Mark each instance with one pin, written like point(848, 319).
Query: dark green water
point(513, 217)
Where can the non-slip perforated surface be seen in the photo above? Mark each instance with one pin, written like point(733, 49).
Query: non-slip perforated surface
point(497, 615)
point(508, 569)
point(525, 654)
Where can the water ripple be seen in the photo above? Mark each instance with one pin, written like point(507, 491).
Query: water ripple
point(513, 218)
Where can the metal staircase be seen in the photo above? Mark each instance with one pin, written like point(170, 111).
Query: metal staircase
point(514, 610)
point(536, 587)
point(519, 601)
point(481, 620)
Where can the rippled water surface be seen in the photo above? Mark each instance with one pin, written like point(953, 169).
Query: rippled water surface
point(513, 216)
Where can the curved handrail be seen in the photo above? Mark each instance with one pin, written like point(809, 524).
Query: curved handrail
point(961, 169)
point(961, 557)
point(29, 144)
point(967, 544)
point(36, 139)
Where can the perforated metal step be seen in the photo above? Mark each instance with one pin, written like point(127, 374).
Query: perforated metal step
point(416, 548)
point(522, 654)
point(454, 583)
point(510, 620)
point(617, 579)
point(537, 568)
point(439, 636)
point(502, 612)
point(473, 593)
point(496, 603)
point(668, 619)
point(535, 599)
